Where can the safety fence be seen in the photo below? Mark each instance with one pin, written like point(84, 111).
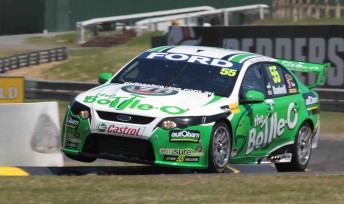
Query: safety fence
point(32, 58)
point(60, 90)
point(330, 99)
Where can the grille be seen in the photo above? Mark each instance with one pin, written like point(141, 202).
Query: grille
point(134, 118)
point(119, 148)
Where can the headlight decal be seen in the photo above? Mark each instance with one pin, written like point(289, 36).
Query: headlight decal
point(184, 122)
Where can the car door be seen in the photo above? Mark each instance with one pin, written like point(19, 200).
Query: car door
point(251, 118)
point(282, 97)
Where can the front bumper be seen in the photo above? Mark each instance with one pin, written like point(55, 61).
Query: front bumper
point(159, 148)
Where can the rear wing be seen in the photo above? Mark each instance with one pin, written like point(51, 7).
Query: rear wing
point(320, 69)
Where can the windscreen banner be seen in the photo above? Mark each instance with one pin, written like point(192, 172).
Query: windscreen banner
point(317, 44)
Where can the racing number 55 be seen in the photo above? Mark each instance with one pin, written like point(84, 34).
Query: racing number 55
point(275, 76)
point(228, 72)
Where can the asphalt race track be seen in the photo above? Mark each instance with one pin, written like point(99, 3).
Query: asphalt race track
point(327, 158)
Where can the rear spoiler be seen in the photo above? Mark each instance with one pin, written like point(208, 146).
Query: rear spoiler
point(320, 69)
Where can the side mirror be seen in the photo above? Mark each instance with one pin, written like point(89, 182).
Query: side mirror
point(252, 96)
point(104, 77)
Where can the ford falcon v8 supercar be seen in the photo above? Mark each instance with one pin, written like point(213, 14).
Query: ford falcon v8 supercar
point(198, 108)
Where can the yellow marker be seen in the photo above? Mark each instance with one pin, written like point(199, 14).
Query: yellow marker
point(236, 171)
point(234, 108)
point(12, 171)
point(313, 108)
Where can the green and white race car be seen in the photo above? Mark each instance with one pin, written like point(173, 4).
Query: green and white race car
point(198, 108)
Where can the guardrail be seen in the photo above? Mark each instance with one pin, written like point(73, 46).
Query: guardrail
point(60, 90)
point(330, 99)
point(32, 58)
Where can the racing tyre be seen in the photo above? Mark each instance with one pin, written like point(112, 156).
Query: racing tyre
point(219, 148)
point(301, 151)
point(81, 158)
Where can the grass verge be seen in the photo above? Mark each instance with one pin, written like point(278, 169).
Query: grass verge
point(278, 188)
point(87, 64)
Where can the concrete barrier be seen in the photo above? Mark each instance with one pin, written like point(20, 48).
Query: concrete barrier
point(30, 135)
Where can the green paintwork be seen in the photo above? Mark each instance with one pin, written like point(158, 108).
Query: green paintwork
point(254, 97)
point(104, 77)
point(158, 49)
point(239, 57)
point(320, 69)
point(213, 100)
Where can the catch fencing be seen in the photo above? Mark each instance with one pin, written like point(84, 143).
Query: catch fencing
point(330, 99)
point(32, 58)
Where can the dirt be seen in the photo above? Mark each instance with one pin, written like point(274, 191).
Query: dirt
point(34, 72)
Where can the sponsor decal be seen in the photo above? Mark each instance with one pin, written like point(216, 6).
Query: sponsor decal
point(134, 102)
point(260, 59)
point(181, 159)
point(179, 152)
point(102, 127)
point(234, 152)
point(270, 128)
point(184, 136)
point(234, 108)
point(292, 90)
point(311, 101)
point(188, 58)
point(71, 142)
point(171, 88)
point(279, 89)
point(117, 129)
point(199, 148)
point(288, 77)
point(298, 65)
point(151, 91)
point(72, 122)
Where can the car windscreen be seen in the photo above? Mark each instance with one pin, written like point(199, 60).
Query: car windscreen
point(181, 71)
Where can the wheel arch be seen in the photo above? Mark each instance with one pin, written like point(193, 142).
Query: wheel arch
point(310, 123)
point(229, 125)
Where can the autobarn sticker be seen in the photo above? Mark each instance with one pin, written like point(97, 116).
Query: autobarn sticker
point(134, 102)
point(312, 103)
point(267, 128)
point(181, 159)
point(184, 136)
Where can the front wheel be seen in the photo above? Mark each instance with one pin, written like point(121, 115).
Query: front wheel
point(219, 148)
point(301, 151)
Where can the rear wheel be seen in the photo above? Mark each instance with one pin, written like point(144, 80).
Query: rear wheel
point(301, 151)
point(219, 148)
point(81, 158)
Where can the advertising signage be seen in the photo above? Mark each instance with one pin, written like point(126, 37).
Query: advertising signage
point(318, 44)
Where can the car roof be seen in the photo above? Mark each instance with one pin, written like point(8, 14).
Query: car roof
point(217, 53)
